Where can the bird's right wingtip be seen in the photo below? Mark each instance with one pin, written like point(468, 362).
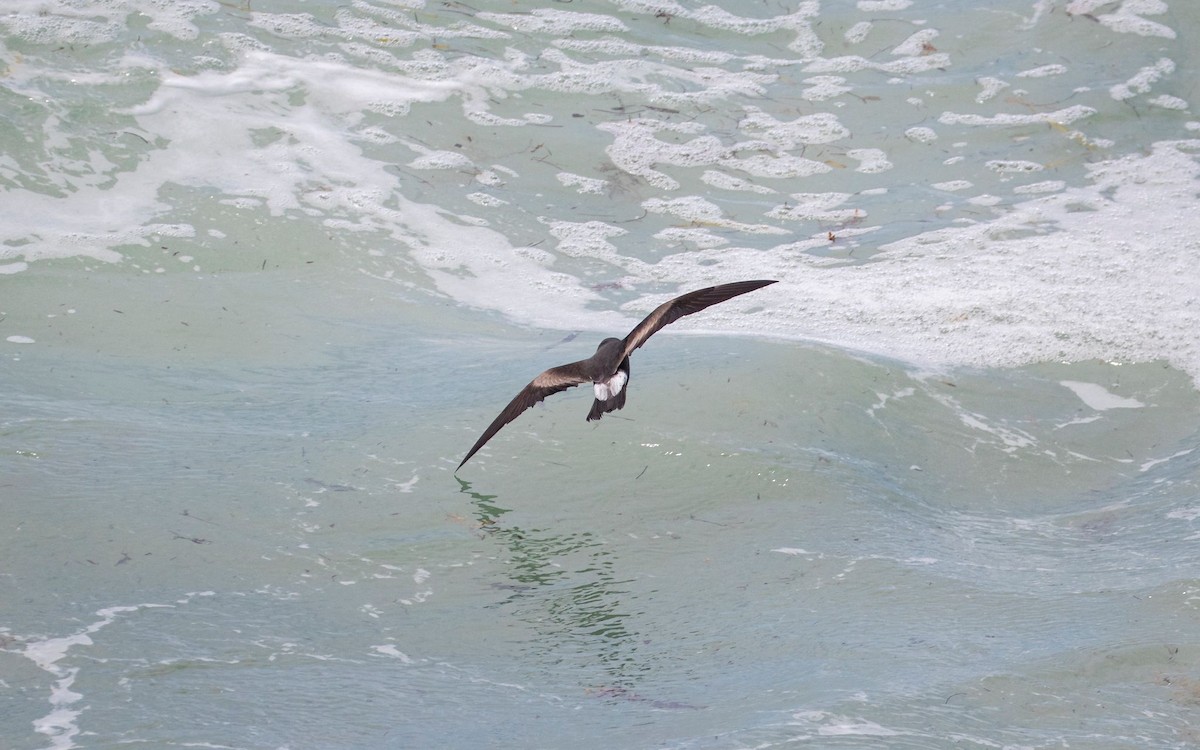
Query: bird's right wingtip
point(760, 283)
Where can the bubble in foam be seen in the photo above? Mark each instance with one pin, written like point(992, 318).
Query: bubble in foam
point(485, 200)
point(1063, 116)
point(991, 86)
point(1127, 18)
point(820, 88)
point(729, 182)
point(637, 150)
point(921, 134)
point(490, 178)
point(904, 66)
point(786, 135)
point(441, 160)
point(696, 236)
point(552, 21)
point(176, 17)
point(1048, 186)
point(378, 136)
point(917, 44)
point(783, 166)
point(1143, 80)
point(871, 160)
point(1166, 101)
point(822, 207)
point(104, 21)
point(586, 185)
point(488, 119)
point(806, 42)
point(883, 6)
point(48, 28)
point(624, 48)
point(858, 32)
point(1010, 166)
point(698, 210)
point(951, 186)
point(389, 108)
point(1054, 69)
point(985, 199)
point(589, 239)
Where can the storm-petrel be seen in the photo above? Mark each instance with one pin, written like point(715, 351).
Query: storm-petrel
point(608, 368)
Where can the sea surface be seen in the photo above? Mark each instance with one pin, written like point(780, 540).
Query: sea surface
point(268, 268)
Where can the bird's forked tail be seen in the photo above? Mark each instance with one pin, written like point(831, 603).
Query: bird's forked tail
point(600, 408)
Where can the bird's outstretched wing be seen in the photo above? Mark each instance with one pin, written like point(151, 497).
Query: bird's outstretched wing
point(669, 312)
point(548, 383)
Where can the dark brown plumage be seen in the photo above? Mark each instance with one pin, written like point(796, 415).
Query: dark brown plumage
point(608, 368)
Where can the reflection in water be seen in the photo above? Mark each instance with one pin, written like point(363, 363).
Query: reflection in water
point(566, 586)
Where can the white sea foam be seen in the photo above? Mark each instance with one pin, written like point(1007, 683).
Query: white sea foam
point(883, 6)
point(1064, 116)
point(1014, 165)
point(991, 87)
point(1099, 280)
point(1147, 465)
point(698, 210)
point(921, 134)
point(1128, 17)
point(582, 184)
point(56, 23)
point(726, 181)
point(820, 88)
point(1042, 71)
point(390, 650)
point(858, 32)
point(871, 160)
point(59, 724)
point(1100, 398)
point(1143, 81)
point(917, 43)
point(1073, 272)
point(1099, 286)
point(1166, 101)
point(1047, 186)
point(553, 21)
point(825, 724)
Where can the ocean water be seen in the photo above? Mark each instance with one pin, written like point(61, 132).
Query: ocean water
point(267, 269)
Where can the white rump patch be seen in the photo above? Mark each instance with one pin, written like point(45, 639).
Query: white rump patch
point(610, 387)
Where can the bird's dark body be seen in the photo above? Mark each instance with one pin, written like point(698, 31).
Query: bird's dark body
point(610, 359)
point(608, 368)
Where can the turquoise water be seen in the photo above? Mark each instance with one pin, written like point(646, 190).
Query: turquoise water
point(269, 269)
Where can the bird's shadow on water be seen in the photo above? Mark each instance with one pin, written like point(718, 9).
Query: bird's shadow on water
point(567, 587)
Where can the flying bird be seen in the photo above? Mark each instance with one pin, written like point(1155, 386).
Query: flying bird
point(608, 368)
